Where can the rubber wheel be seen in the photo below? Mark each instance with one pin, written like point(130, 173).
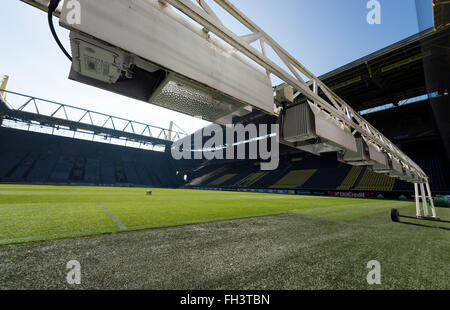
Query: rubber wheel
point(395, 215)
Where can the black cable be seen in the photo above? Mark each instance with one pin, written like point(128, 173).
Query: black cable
point(51, 9)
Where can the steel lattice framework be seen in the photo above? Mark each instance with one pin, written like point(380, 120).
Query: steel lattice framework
point(333, 105)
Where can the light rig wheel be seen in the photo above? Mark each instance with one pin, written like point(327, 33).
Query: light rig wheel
point(395, 215)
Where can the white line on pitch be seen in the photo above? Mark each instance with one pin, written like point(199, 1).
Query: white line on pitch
point(112, 217)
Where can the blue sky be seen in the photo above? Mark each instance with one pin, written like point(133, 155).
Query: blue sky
point(321, 34)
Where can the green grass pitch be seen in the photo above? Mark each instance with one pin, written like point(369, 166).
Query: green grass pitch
point(325, 244)
point(33, 213)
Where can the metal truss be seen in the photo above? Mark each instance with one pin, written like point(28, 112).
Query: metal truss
point(335, 107)
point(28, 108)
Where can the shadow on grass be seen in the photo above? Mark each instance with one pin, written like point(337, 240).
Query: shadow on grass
point(425, 219)
point(423, 225)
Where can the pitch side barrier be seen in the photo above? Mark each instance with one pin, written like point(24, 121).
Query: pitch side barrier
point(396, 195)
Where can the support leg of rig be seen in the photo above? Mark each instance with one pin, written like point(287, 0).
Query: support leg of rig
point(416, 192)
point(433, 210)
point(424, 200)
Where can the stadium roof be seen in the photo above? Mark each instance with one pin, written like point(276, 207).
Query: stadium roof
point(441, 13)
point(39, 112)
point(392, 74)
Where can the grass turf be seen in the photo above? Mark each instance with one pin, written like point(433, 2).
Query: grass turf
point(314, 242)
point(33, 213)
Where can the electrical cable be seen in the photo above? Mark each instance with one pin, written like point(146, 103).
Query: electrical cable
point(51, 9)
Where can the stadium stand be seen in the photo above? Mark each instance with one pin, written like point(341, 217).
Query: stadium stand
point(207, 176)
point(78, 169)
point(295, 179)
point(297, 159)
point(92, 170)
point(326, 178)
point(107, 171)
point(431, 157)
point(9, 160)
point(42, 168)
point(130, 172)
point(143, 175)
point(62, 170)
point(350, 179)
point(42, 158)
point(222, 180)
point(250, 179)
point(34, 157)
point(321, 173)
point(375, 182)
